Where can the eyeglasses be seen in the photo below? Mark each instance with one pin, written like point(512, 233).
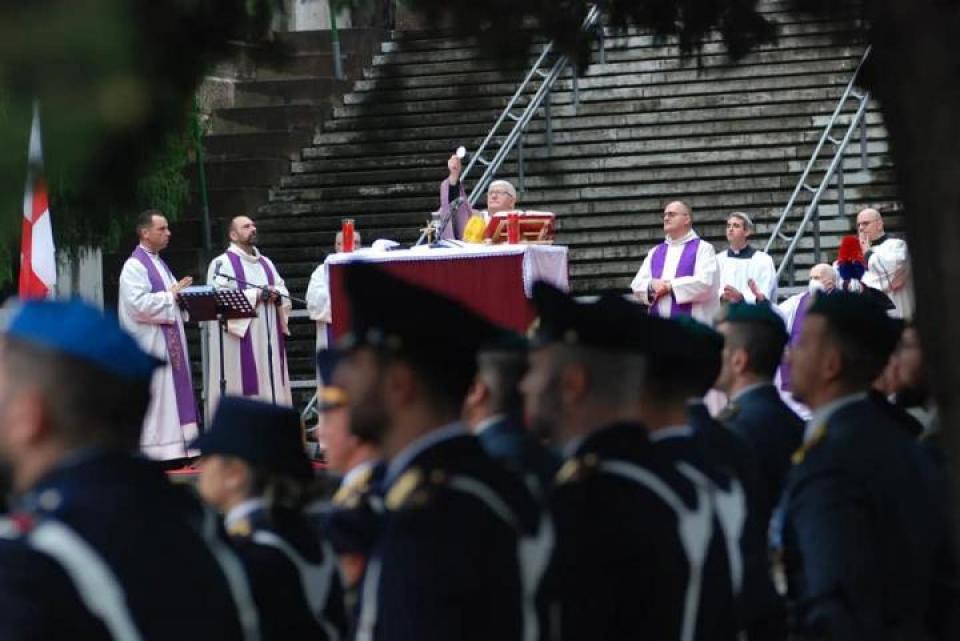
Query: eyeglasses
point(673, 214)
point(498, 192)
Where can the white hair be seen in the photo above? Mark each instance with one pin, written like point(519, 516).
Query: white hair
point(506, 186)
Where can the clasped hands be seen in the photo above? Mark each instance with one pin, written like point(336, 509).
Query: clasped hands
point(733, 295)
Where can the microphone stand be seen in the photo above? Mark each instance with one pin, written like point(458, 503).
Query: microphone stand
point(265, 293)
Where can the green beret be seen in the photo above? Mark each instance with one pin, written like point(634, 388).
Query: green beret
point(760, 313)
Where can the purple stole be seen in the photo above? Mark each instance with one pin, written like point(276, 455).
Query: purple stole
point(688, 262)
point(785, 381)
point(177, 355)
point(248, 363)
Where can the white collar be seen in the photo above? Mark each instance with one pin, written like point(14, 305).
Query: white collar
point(673, 431)
point(244, 255)
point(487, 422)
point(356, 471)
point(690, 235)
point(242, 511)
point(748, 389)
point(150, 252)
point(400, 462)
point(821, 416)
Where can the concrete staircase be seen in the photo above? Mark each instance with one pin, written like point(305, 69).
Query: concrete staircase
point(649, 128)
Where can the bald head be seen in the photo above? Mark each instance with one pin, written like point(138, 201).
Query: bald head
point(825, 275)
point(870, 223)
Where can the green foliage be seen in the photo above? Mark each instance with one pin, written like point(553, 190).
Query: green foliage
point(113, 80)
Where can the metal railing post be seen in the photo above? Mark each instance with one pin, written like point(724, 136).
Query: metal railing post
point(841, 191)
point(549, 124)
point(335, 40)
point(816, 236)
point(864, 161)
point(520, 176)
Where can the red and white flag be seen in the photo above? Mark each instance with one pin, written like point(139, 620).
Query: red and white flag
point(38, 263)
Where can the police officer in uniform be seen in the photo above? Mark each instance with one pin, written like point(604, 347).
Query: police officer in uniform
point(682, 369)
point(755, 337)
point(99, 545)
point(255, 471)
point(352, 517)
point(862, 527)
point(463, 543)
point(638, 550)
point(494, 411)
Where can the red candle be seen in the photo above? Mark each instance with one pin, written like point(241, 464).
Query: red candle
point(513, 228)
point(346, 228)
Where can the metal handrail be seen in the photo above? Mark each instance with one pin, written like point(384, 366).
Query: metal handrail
point(520, 122)
point(840, 148)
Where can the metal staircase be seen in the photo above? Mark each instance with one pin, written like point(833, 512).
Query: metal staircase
point(510, 128)
point(829, 142)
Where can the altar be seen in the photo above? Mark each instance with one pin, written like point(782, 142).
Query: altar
point(495, 281)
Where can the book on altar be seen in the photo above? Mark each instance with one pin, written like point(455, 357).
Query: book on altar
point(535, 227)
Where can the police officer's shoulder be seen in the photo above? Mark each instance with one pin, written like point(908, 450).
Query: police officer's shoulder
point(577, 469)
point(417, 488)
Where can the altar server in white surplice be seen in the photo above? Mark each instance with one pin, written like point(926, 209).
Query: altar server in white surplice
point(680, 275)
point(318, 293)
point(251, 344)
point(148, 308)
point(888, 262)
point(746, 274)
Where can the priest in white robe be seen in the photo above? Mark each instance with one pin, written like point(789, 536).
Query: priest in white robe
point(680, 276)
point(148, 308)
point(746, 274)
point(250, 345)
point(318, 293)
point(888, 262)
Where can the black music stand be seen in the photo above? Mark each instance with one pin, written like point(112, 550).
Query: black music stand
point(207, 303)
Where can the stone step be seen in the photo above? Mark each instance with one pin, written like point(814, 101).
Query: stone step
point(779, 11)
point(242, 172)
point(820, 98)
point(637, 41)
point(241, 120)
point(290, 91)
point(562, 96)
point(623, 52)
point(595, 83)
point(618, 129)
point(689, 117)
point(228, 202)
point(755, 189)
point(534, 143)
point(283, 145)
point(538, 160)
point(606, 170)
point(716, 63)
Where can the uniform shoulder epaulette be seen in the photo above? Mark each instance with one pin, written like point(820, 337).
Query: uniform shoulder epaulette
point(415, 488)
point(816, 437)
point(240, 528)
point(349, 496)
point(577, 469)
